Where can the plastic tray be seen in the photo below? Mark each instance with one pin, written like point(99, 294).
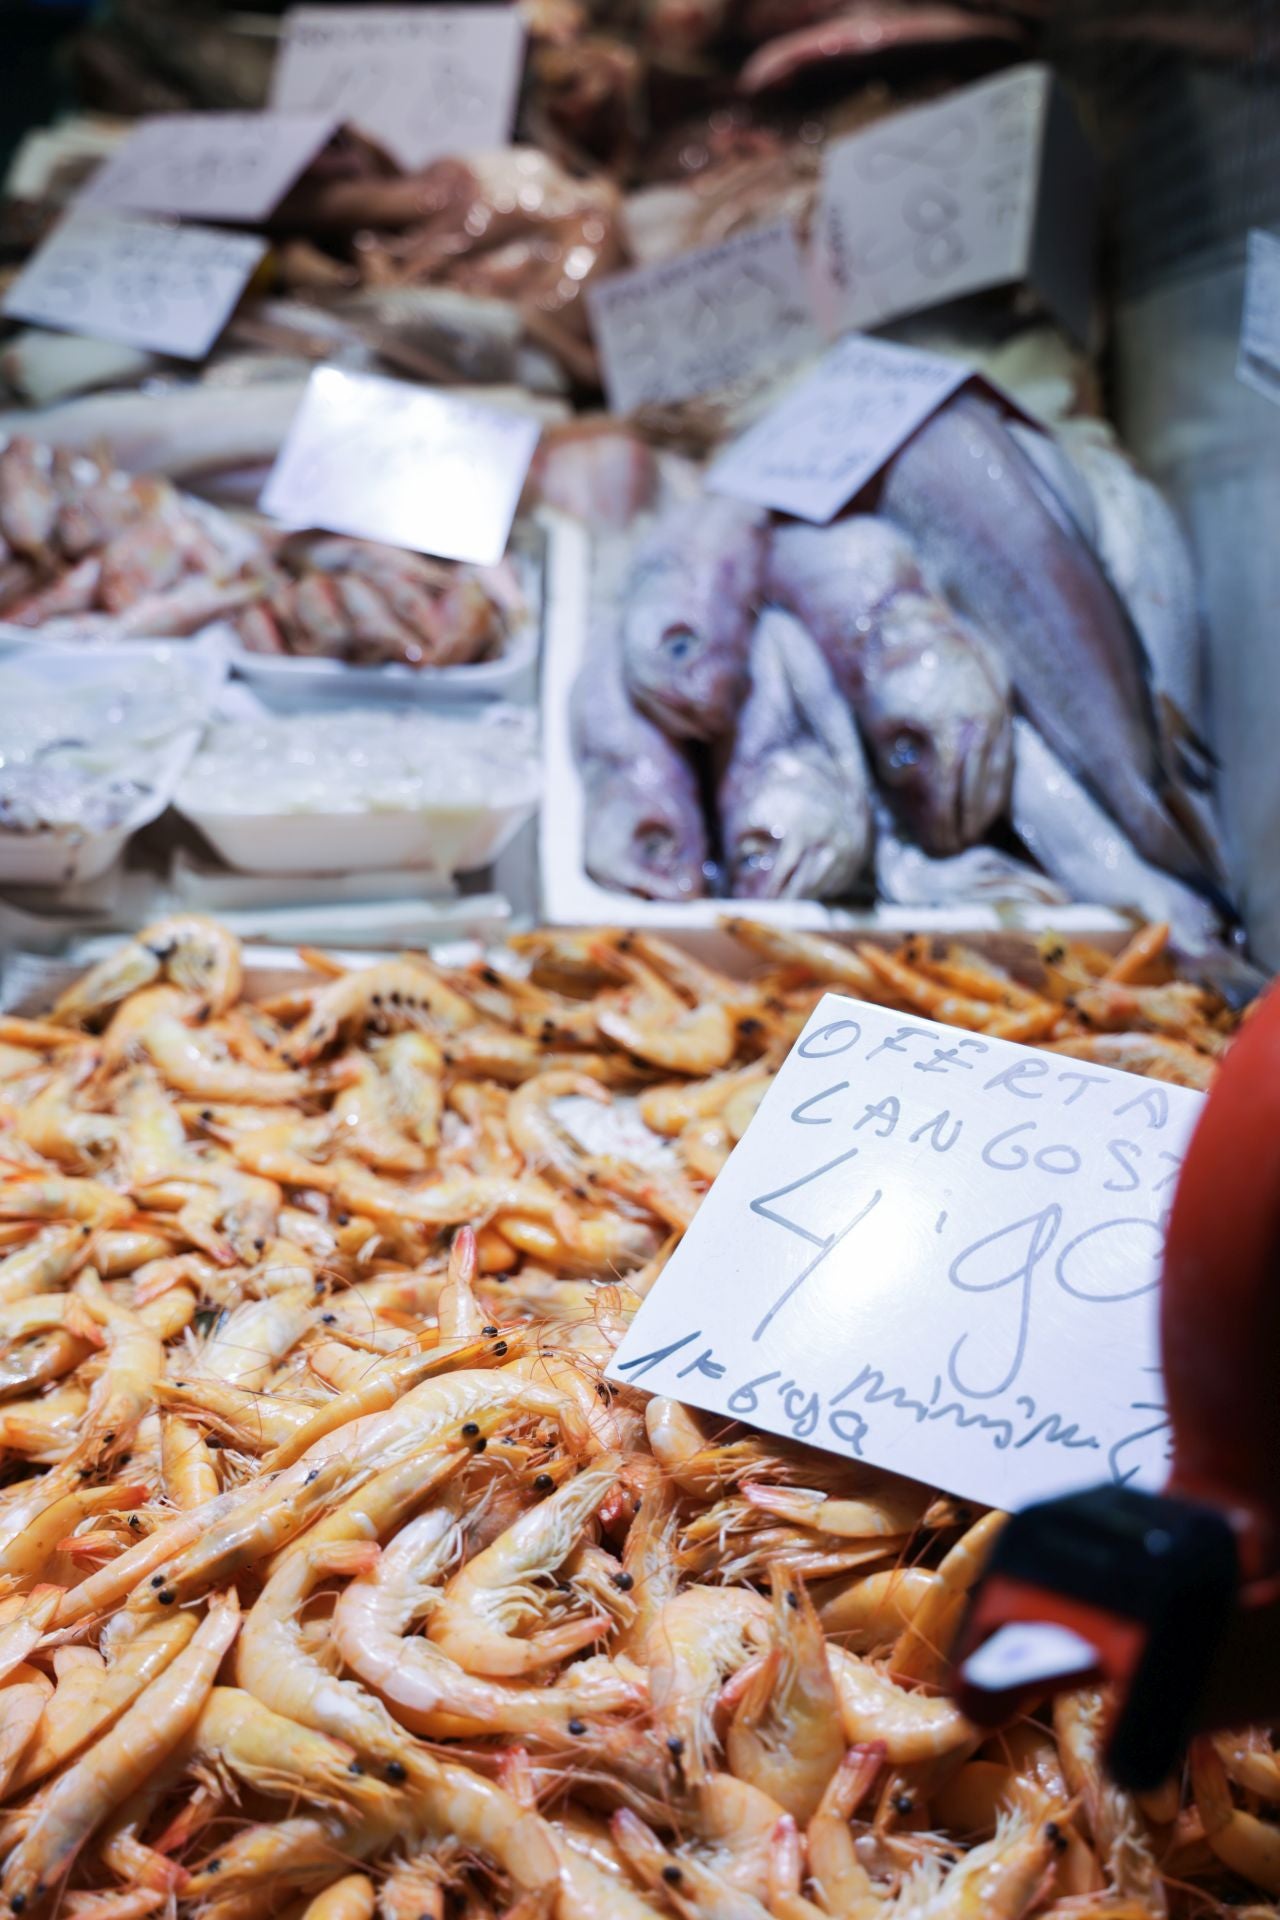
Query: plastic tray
point(436, 842)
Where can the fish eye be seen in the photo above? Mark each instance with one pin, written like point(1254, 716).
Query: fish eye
point(906, 750)
point(654, 841)
point(679, 641)
point(757, 853)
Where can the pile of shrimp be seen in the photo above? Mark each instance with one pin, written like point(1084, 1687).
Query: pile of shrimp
point(334, 1579)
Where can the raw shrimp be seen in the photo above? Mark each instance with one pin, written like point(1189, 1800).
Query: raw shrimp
point(22, 1703)
point(697, 1640)
point(121, 1761)
point(28, 1195)
point(910, 1726)
point(122, 1394)
point(385, 996)
point(412, 1066)
point(785, 1735)
point(87, 1703)
point(31, 1530)
point(362, 1115)
point(1246, 1844)
point(478, 1620)
point(1120, 1837)
point(427, 1690)
point(870, 1611)
point(271, 1754)
point(652, 1022)
point(192, 952)
point(193, 1064)
point(351, 1898)
point(49, 1258)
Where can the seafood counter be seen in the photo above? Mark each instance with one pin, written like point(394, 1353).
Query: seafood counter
point(334, 1571)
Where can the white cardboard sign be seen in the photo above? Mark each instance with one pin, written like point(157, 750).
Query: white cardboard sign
point(696, 324)
point(1259, 361)
point(937, 1252)
point(166, 288)
point(209, 166)
point(825, 439)
point(991, 184)
point(423, 81)
point(382, 460)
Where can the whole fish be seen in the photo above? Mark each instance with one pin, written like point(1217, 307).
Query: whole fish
point(996, 538)
point(688, 608)
point(1078, 844)
point(643, 824)
point(931, 700)
point(795, 804)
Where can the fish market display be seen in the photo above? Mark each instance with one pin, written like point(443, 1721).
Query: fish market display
point(795, 802)
point(86, 548)
point(355, 600)
point(335, 1573)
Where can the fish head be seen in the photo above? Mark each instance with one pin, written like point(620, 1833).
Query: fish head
point(649, 844)
point(684, 667)
point(936, 715)
point(795, 840)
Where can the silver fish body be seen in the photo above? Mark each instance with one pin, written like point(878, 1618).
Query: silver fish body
point(643, 826)
point(931, 700)
point(1078, 844)
point(794, 797)
point(688, 607)
point(997, 539)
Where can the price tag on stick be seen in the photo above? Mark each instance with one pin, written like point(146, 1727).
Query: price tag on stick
point(382, 460)
point(423, 81)
point(151, 285)
point(937, 1252)
point(700, 322)
point(209, 166)
point(990, 185)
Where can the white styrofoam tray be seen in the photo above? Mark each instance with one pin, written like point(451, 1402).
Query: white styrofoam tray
point(71, 855)
point(570, 897)
point(436, 842)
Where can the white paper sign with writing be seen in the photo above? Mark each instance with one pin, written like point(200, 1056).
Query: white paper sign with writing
point(697, 323)
point(937, 1252)
point(825, 439)
point(424, 81)
point(382, 460)
point(163, 287)
point(932, 203)
point(1259, 362)
point(209, 166)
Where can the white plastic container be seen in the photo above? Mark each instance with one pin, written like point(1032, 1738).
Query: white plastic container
point(72, 854)
point(570, 897)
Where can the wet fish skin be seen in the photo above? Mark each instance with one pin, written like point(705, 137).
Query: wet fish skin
point(995, 537)
point(688, 606)
point(909, 877)
point(932, 702)
point(794, 797)
point(643, 827)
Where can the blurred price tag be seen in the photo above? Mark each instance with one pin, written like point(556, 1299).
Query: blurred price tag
point(990, 185)
point(423, 81)
point(935, 1251)
point(152, 285)
point(210, 166)
point(382, 460)
point(1258, 364)
point(701, 322)
point(825, 439)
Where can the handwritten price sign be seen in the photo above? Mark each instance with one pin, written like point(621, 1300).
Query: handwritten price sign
point(988, 186)
point(382, 460)
point(209, 166)
point(823, 441)
point(936, 1252)
point(697, 324)
point(166, 288)
point(425, 81)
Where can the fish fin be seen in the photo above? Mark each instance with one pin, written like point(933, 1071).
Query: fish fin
point(1190, 752)
point(1202, 843)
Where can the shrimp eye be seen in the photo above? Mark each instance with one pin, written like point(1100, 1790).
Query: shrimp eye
point(672, 1875)
point(397, 1771)
point(489, 1332)
point(675, 1746)
point(623, 1582)
point(543, 1483)
point(471, 1428)
point(577, 1726)
point(679, 641)
point(906, 750)
point(903, 1804)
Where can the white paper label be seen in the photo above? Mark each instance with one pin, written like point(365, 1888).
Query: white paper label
point(825, 439)
point(209, 166)
point(937, 1252)
point(385, 461)
point(424, 81)
point(163, 287)
point(932, 203)
point(1259, 362)
point(696, 324)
